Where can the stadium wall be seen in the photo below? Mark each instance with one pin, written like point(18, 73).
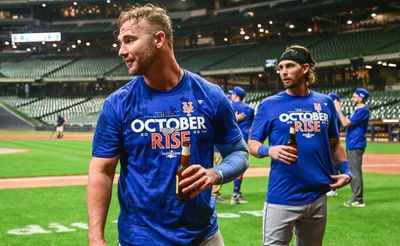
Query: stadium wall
point(9, 120)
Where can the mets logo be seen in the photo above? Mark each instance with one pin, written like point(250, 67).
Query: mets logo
point(317, 107)
point(188, 108)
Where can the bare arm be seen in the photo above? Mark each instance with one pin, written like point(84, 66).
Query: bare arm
point(99, 190)
point(343, 119)
point(339, 158)
point(253, 147)
point(240, 117)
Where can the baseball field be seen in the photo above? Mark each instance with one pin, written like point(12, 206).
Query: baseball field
point(43, 196)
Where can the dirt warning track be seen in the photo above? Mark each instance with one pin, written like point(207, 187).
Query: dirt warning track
point(373, 163)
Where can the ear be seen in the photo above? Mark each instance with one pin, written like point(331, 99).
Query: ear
point(159, 39)
point(306, 67)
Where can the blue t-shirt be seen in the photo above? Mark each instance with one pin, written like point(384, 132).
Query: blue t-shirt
point(146, 127)
point(355, 134)
point(245, 124)
point(315, 118)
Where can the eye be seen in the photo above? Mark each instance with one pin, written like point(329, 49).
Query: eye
point(130, 40)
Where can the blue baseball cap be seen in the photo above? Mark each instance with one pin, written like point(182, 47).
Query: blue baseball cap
point(334, 96)
point(362, 93)
point(239, 91)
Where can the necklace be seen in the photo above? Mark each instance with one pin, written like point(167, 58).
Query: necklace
point(179, 75)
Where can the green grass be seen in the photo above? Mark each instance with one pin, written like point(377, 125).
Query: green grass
point(376, 224)
point(45, 157)
point(43, 206)
point(50, 157)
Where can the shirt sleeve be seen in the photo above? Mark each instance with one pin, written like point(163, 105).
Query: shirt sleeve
point(261, 124)
point(226, 128)
point(359, 116)
point(333, 130)
point(107, 140)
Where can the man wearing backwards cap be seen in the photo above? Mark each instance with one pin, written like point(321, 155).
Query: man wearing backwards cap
point(298, 180)
point(356, 141)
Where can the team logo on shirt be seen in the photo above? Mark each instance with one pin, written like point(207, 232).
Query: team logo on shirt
point(317, 107)
point(305, 120)
point(168, 130)
point(188, 108)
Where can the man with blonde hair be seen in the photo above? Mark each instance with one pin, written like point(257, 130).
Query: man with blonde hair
point(299, 177)
point(143, 125)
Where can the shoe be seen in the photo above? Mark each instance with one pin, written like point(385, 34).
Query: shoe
point(220, 199)
point(354, 204)
point(331, 193)
point(237, 198)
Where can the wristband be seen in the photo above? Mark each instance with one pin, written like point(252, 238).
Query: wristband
point(344, 168)
point(263, 151)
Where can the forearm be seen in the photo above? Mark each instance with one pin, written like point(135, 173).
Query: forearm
point(339, 157)
point(99, 193)
point(343, 119)
point(254, 146)
point(338, 152)
point(235, 162)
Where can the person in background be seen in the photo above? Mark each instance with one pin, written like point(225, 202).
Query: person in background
point(142, 125)
point(244, 115)
point(333, 193)
point(356, 141)
point(299, 177)
point(60, 123)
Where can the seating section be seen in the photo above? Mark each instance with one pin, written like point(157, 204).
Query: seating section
point(76, 113)
point(325, 47)
point(17, 101)
point(344, 45)
point(88, 67)
point(208, 57)
point(84, 120)
point(84, 111)
point(255, 55)
point(121, 70)
point(43, 107)
point(33, 67)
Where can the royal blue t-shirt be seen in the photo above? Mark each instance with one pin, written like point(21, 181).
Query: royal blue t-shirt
point(355, 134)
point(245, 124)
point(147, 128)
point(315, 118)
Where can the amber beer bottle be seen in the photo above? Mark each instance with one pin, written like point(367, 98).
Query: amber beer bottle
point(292, 142)
point(185, 163)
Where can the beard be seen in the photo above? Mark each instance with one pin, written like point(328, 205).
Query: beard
point(291, 84)
point(144, 61)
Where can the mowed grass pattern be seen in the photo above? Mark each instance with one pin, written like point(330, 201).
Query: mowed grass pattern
point(49, 157)
point(376, 224)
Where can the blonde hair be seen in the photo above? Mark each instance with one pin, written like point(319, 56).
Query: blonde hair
point(156, 17)
point(310, 76)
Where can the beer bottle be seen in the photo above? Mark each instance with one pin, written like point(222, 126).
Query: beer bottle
point(185, 163)
point(292, 142)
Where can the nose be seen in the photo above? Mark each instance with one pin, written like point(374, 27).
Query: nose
point(122, 52)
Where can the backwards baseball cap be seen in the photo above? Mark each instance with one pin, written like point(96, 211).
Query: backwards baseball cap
point(297, 54)
point(239, 91)
point(334, 96)
point(362, 93)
